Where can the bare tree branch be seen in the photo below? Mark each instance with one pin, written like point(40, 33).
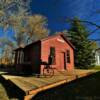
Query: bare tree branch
point(85, 21)
point(93, 32)
point(95, 39)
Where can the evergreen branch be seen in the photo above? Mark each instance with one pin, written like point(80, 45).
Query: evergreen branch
point(92, 23)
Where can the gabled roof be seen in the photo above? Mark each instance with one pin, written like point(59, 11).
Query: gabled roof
point(49, 37)
point(62, 35)
point(20, 48)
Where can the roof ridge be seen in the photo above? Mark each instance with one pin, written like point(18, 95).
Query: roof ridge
point(55, 35)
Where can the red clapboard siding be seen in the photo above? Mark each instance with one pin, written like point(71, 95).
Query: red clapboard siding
point(39, 51)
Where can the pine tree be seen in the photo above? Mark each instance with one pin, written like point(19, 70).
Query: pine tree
point(84, 56)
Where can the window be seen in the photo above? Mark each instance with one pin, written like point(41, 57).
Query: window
point(20, 55)
point(68, 56)
point(51, 59)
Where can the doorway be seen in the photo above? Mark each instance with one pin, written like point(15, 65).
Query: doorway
point(63, 60)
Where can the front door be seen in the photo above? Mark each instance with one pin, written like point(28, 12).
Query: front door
point(63, 61)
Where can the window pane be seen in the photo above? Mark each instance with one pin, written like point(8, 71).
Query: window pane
point(68, 56)
point(51, 59)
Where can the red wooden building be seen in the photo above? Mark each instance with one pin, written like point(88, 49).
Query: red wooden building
point(30, 57)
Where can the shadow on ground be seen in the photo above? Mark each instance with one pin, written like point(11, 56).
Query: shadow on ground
point(87, 88)
point(12, 91)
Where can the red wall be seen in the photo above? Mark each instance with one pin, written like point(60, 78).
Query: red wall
point(60, 46)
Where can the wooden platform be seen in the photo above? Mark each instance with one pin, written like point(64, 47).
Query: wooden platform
point(33, 85)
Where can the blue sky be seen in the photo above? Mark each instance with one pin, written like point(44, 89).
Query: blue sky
point(57, 11)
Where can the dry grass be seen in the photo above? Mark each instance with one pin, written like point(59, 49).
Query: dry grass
point(3, 94)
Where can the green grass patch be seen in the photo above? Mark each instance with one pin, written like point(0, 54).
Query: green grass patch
point(91, 67)
point(96, 67)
